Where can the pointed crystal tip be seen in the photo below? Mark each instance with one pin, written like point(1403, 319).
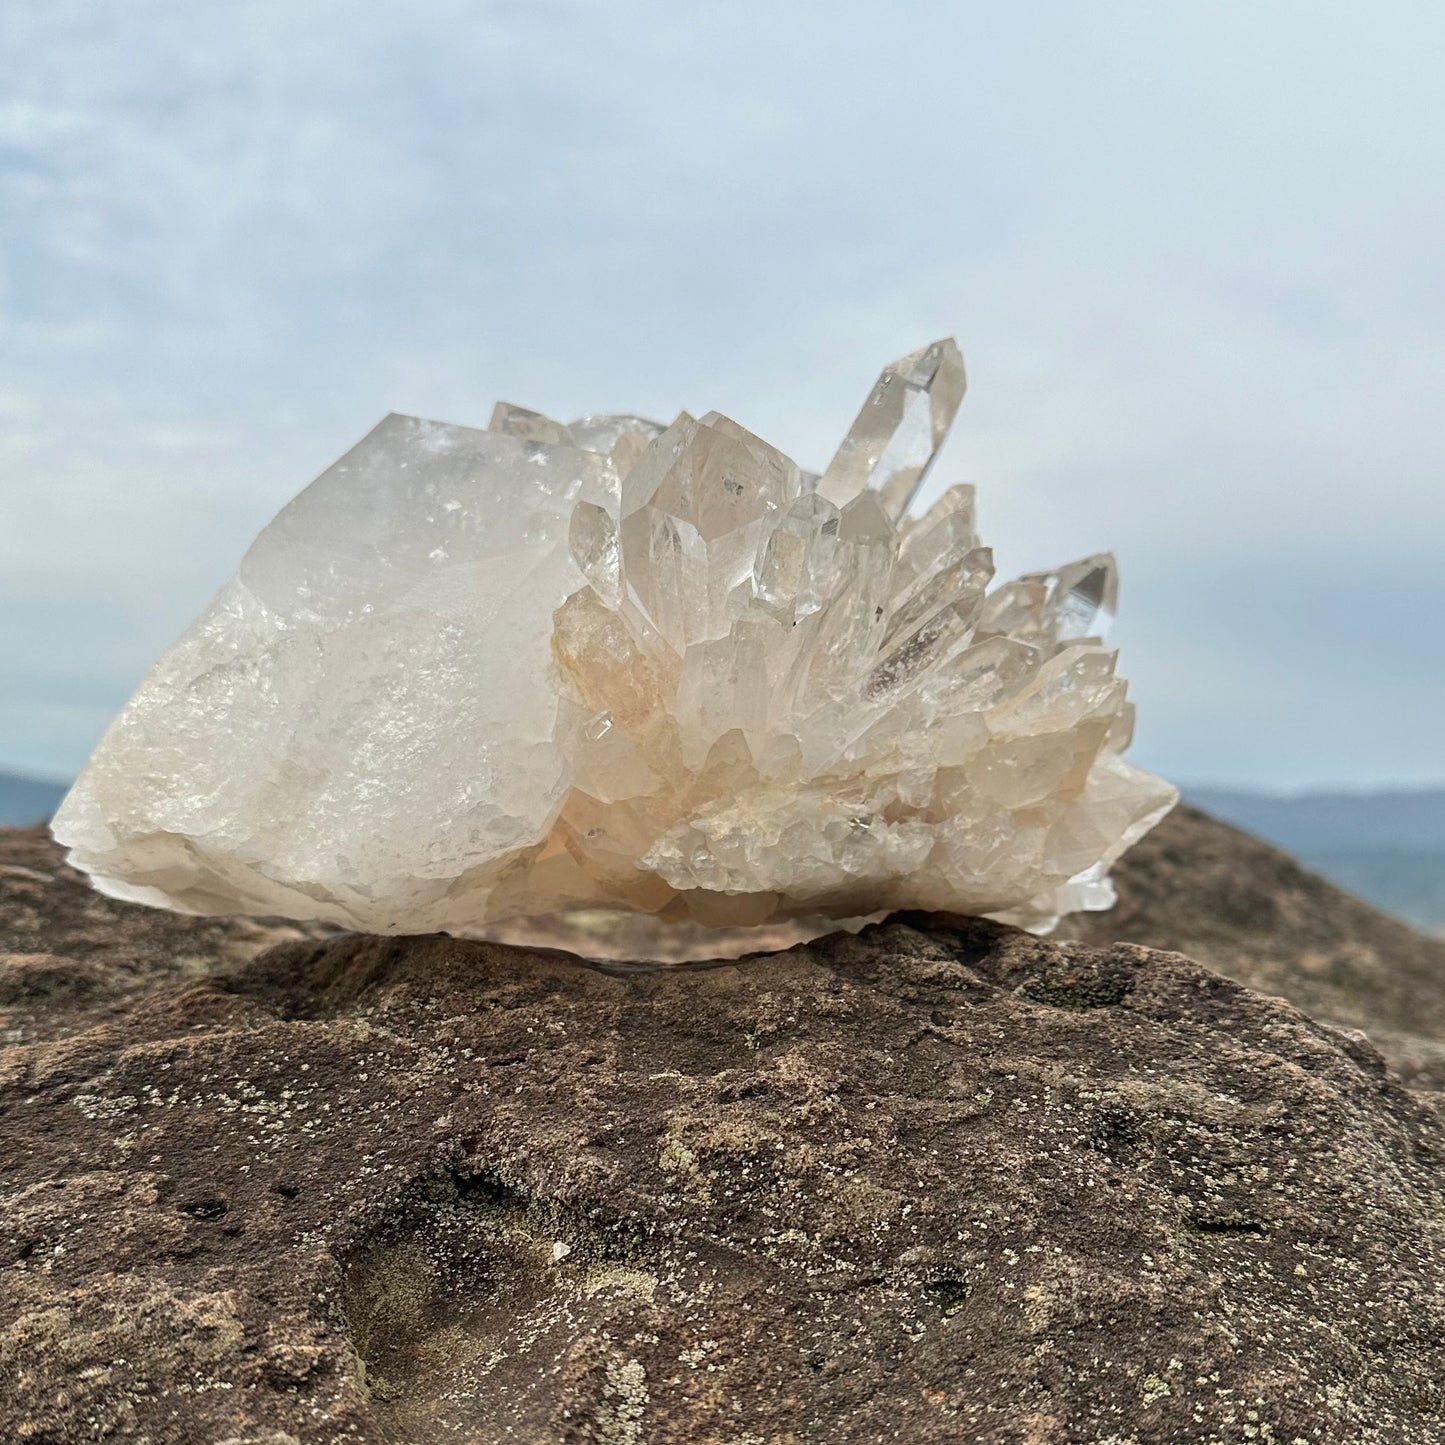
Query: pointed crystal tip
point(896, 436)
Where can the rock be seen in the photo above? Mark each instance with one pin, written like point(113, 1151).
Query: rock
point(939, 1182)
point(62, 941)
point(1200, 887)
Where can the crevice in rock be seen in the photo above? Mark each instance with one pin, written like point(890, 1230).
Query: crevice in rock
point(462, 1301)
point(1227, 1224)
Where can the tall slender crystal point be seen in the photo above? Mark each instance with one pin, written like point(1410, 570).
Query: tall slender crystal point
point(540, 678)
point(896, 436)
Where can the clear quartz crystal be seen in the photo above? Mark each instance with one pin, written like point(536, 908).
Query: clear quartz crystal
point(593, 538)
point(896, 436)
point(630, 688)
point(529, 426)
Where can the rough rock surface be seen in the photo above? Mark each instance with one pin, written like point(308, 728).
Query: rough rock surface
point(64, 946)
point(940, 1182)
point(1198, 886)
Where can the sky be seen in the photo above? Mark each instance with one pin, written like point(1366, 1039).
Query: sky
point(1191, 253)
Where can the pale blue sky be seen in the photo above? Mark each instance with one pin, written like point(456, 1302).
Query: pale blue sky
point(1192, 255)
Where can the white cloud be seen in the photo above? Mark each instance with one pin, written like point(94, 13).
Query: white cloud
point(1191, 255)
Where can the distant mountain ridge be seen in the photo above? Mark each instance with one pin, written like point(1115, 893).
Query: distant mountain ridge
point(1409, 819)
point(1388, 847)
point(24, 801)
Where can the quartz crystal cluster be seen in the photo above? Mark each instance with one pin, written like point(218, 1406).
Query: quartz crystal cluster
point(613, 681)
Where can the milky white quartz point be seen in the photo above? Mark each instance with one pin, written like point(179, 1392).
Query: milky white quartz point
point(640, 690)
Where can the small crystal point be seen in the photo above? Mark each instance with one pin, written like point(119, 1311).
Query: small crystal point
point(621, 437)
point(1085, 597)
point(529, 426)
point(592, 537)
point(1015, 609)
point(794, 572)
point(947, 526)
point(914, 648)
point(1079, 600)
point(601, 431)
point(963, 571)
point(896, 436)
point(697, 510)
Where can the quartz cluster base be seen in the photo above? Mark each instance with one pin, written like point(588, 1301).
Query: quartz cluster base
point(631, 689)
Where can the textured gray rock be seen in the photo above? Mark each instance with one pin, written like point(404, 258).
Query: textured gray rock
point(940, 1182)
point(1201, 887)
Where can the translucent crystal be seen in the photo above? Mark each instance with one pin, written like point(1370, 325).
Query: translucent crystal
point(593, 537)
point(1083, 598)
point(1079, 600)
point(896, 436)
point(529, 426)
point(548, 675)
point(622, 438)
point(796, 567)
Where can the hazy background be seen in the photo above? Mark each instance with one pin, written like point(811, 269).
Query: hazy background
point(1193, 256)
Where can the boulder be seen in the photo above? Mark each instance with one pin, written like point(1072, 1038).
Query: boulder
point(942, 1181)
point(1199, 886)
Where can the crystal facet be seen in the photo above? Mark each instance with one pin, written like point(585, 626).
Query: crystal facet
point(896, 436)
point(555, 676)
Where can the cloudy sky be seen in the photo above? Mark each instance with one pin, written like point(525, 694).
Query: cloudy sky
point(1193, 255)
